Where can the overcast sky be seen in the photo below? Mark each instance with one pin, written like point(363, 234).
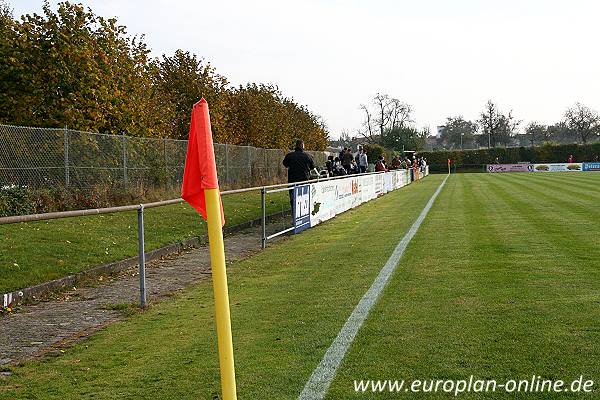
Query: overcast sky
point(445, 58)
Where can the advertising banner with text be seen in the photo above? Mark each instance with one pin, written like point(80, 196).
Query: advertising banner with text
point(301, 208)
point(591, 166)
point(329, 198)
point(557, 167)
point(509, 167)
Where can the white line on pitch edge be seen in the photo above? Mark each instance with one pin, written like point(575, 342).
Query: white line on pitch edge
point(322, 376)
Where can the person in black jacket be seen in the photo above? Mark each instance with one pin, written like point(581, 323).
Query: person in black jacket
point(299, 164)
point(347, 160)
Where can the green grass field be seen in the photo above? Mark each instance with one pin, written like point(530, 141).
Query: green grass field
point(31, 253)
point(502, 281)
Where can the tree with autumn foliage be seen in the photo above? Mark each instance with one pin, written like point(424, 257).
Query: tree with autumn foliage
point(260, 115)
point(72, 68)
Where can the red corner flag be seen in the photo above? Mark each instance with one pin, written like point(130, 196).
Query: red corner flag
point(200, 167)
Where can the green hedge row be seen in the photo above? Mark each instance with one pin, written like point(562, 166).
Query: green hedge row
point(19, 200)
point(540, 154)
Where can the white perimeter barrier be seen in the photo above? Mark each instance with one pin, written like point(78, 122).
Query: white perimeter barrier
point(320, 201)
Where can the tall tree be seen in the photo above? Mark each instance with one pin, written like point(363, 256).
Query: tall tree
point(537, 133)
point(458, 133)
point(405, 137)
point(382, 105)
point(368, 129)
point(72, 67)
point(384, 114)
point(259, 115)
point(400, 113)
point(497, 126)
point(582, 120)
point(182, 79)
point(561, 133)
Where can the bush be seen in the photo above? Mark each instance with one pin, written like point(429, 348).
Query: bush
point(16, 200)
point(20, 200)
point(375, 150)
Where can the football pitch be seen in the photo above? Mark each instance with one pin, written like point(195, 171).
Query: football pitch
point(501, 282)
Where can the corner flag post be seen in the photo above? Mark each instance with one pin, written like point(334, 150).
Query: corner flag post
point(219, 275)
point(201, 190)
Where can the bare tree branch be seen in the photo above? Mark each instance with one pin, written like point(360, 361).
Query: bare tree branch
point(582, 120)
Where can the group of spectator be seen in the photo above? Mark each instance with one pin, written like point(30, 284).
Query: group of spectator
point(399, 162)
point(347, 163)
point(300, 164)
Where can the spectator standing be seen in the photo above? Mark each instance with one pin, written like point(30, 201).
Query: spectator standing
point(415, 170)
point(363, 162)
point(395, 162)
point(571, 159)
point(299, 164)
point(347, 160)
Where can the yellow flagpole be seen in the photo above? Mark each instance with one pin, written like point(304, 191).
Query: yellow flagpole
point(219, 276)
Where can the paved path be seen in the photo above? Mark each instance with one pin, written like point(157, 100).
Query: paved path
point(46, 326)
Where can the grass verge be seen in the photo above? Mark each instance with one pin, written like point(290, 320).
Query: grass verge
point(36, 252)
point(288, 303)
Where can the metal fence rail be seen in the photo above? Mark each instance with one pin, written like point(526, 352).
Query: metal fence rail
point(47, 157)
point(14, 296)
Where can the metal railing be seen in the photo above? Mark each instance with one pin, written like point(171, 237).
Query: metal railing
point(140, 217)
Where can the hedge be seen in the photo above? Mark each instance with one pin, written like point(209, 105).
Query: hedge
point(20, 200)
point(540, 154)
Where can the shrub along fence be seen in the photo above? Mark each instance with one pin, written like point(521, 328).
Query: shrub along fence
point(475, 160)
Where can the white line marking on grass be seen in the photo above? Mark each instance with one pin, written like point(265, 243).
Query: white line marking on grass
point(322, 376)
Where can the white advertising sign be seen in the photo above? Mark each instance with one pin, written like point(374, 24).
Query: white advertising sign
point(558, 167)
point(329, 198)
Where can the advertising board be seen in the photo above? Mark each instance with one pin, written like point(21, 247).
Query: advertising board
point(509, 168)
point(301, 208)
point(321, 201)
point(557, 167)
point(591, 166)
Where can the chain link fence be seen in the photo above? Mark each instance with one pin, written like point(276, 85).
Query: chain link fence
point(49, 157)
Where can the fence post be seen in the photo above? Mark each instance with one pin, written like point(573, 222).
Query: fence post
point(66, 151)
point(227, 163)
point(166, 164)
point(142, 256)
point(249, 164)
point(264, 217)
point(267, 165)
point(124, 147)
